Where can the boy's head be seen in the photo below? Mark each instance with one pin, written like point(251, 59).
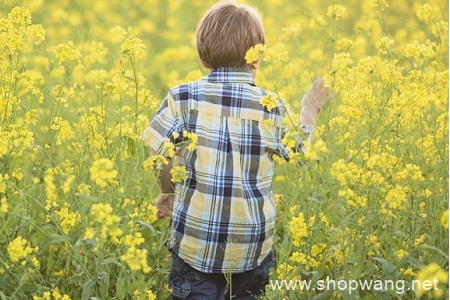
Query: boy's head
point(226, 32)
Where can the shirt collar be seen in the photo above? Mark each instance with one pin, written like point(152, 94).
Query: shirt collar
point(229, 75)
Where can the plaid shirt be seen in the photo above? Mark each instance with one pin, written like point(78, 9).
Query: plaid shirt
point(224, 213)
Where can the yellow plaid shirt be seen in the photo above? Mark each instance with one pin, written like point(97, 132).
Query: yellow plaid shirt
point(224, 213)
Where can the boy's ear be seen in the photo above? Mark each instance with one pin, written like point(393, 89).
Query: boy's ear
point(254, 65)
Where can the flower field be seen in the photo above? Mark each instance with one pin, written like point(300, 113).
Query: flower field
point(80, 80)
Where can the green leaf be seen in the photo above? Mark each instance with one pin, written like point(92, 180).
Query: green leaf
point(88, 288)
point(387, 267)
point(325, 295)
point(3, 296)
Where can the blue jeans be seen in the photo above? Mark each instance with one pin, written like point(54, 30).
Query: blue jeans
point(188, 283)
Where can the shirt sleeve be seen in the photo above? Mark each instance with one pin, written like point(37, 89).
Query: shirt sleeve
point(162, 126)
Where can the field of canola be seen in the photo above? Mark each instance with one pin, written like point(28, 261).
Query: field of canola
point(80, 80)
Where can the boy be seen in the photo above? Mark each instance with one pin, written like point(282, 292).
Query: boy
point(224, 213)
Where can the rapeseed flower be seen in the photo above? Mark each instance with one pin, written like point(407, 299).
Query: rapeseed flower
point(65, 53)
point(3, 205)
point(155, 162)
point(146, 212)
point(269, 101)
point(50, 188)
point(191, 139)
point(89, 233)
point(53, 295)
point(20, 16)
point(104, 215)
point(409, 272)
point(179, 174)
point(168, 149)
point(299, 257)
point(421, 51)
point(429, 280)
point(118, 34)
point(102, 172)
point(341, 62)
point(410, 172)
point(285, 271)
point(68, 219)
point(418, 241)
point(396, 198)
point(400, 253)
point(17, 29)
point(19, 249)
point(148, 295)
point(380, 3)
point(336, 12)
point(133, 47)
point(315, 151)
point(444, 219)
point(135, 257)
point(427, 13)
point(63, 129)
point(384, 46)
point(255, 53)
point(299, 230)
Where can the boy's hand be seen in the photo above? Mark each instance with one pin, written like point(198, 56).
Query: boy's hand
point(164, 204)
point(316, 97)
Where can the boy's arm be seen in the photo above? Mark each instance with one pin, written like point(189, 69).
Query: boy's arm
point(164, 203)
point(315, 98)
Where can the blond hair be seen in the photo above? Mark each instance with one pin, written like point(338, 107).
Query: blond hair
point(226, 32)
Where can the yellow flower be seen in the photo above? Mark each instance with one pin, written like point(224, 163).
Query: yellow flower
point(279, 198)
point(254, 54)
point(102, 172)
point(191, 139)
point(400, 253)
point(341, 62)
point(135, 257)
point(179, 174)
point(299, 230)
point(168, 148)
point(429, 279)
point(409, 272)
point(385, 46)
point(3, 205)
point(104, 215)
point(444, 219)
point(336, 12)
point(19, 248)
point(381, 3)
point(150, 295)
point(89, 234)
point(317, 249)
point(20, 16)
point(63, 129)
point(427, 13)
point(133, 47)
point(419, 240)
point(314, 151)
point(68, 219)
point(396, 198)
point(420, 51)
point(118, 34)
point(285, 271)
point(65, 53)
point(146, 212)
point(155, 162)
point(269, 101)
point(299, 257)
